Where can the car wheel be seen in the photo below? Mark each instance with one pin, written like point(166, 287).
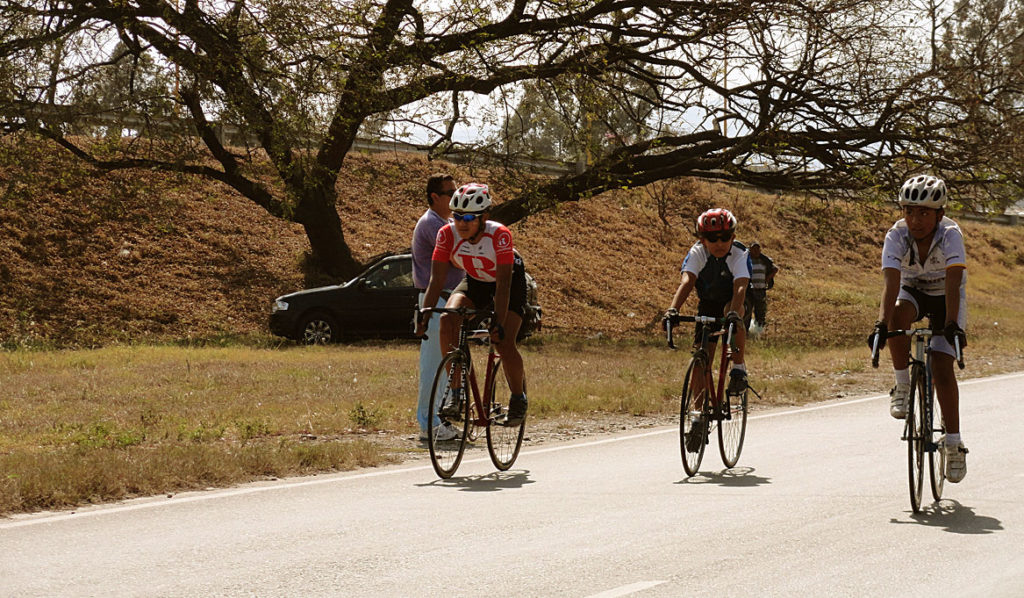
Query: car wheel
point(317, 328)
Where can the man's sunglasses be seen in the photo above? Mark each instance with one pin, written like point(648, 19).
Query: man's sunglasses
point(716, 237)
point(465, 217)
point(448, 192)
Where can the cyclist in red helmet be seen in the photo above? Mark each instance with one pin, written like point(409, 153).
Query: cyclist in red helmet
point(719, 268)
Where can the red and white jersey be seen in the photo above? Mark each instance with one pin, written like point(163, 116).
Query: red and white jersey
point(480, 260)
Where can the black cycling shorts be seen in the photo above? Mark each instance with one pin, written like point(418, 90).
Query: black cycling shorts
point(482, 293)
point(932, 306)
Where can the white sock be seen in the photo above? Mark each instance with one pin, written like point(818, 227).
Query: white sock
point(902, 376)
point(739, 366)
point(952, 439)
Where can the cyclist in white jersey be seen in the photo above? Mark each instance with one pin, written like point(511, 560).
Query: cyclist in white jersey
point(924, 267)
point(495, 279)
point(718, 268)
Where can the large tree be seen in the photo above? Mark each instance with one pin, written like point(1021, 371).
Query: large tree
point(790, 94)
point(982, 52)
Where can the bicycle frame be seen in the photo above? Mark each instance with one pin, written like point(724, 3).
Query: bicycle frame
point(478, 406)
point(918, 428)
point(481, 400)
point(702, 410)
point(715, 392)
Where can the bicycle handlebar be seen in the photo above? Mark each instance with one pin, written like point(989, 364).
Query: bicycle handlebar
point(670, 322)
point(925, 332)
point(461, 311)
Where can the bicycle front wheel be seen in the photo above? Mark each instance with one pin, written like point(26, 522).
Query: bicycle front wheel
point(693, 426)
point(732, 428)
point(915, 438)
point(934, 426)
point(503, 442)
point(446, 449)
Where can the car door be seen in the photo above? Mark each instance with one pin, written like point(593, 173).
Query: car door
point(388, 297)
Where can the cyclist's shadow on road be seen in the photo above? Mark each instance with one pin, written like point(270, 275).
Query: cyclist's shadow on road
point(737, 477)
point(954, 517)
point(492, 482)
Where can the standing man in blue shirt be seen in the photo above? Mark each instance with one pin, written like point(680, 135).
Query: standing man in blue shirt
point(440, 188)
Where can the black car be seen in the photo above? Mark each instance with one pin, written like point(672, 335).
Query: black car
point(379, 303)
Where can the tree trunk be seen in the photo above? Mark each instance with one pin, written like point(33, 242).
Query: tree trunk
point(317, 212)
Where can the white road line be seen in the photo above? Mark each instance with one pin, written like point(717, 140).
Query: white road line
point(149, 503)
point(627, 590)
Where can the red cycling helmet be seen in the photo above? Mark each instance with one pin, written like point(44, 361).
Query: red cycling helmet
point(716, 220)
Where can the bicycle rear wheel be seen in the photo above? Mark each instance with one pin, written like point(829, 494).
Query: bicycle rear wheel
point(936, 457)
point(693, 426)
point(915, 438)
point(503, 442)
point(732, 429)
point(446, 453)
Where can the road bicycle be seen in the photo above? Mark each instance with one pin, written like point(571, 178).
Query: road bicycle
point(712, 407)
point(923, 424)
point(476, 410)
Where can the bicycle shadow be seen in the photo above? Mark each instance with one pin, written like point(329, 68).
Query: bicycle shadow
point(492, 482)
point(953, 517)
point(737, 477)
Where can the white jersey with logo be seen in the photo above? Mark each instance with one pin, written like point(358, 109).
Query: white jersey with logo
point(925, 273)
point(480, 260)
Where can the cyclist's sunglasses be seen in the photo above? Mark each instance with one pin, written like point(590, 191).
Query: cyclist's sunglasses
point(716, 237)
point(448, 192)
point(465, 217)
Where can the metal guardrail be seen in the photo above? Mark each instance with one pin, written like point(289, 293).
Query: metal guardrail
point(229, 134)
point(1007, 218)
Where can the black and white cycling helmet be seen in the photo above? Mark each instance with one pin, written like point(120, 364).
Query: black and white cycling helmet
point(473, 198)
point(924, 191)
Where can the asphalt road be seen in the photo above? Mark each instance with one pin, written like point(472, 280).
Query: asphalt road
point(817, 507)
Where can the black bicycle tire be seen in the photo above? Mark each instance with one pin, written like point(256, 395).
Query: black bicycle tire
point(725, 426)
point(446, 458)
point(915, 434)
point(936, 456)
point(691, 464)
point(499, 436)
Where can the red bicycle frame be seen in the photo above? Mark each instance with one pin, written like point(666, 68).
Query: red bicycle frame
point(482, 401)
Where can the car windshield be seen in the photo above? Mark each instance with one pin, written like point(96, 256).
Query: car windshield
point(392, 274)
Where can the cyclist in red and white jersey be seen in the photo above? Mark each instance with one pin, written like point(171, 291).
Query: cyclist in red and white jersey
point(924, 265)
point(495, 279)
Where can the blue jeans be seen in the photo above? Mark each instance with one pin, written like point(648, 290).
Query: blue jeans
point(430, 360)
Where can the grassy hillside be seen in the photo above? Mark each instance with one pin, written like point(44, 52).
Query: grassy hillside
point(89, 259)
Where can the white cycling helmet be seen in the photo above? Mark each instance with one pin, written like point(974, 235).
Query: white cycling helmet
point(924, 191)
point(474, 198)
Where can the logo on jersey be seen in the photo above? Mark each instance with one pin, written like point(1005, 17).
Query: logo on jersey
point(479, 267)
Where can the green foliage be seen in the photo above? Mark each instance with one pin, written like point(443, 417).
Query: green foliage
point(364, 416)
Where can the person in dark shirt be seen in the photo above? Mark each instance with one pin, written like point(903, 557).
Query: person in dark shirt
point(762, 278)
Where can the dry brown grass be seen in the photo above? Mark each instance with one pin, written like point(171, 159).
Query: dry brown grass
point(98, 425)
point(104, 424)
